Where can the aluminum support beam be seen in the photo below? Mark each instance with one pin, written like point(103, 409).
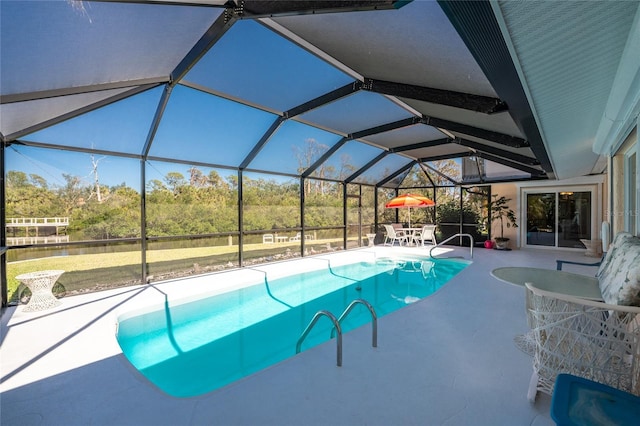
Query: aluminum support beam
point(202, 46)
point(497, 151)
point(261, 143)
point(483, 104)
point(366, 167)
point(395, 174)
point(79, 111)
point(420, 145)
point(489, 135)
point(79, 90)
point(513, 165)
point(278, 8)
point(446, 156)
point(324, 157)
point(478, 27)
point(166, 94)
point(438, 172)
point(334, 95)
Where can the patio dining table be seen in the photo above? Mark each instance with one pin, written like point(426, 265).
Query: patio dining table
point(410, 233)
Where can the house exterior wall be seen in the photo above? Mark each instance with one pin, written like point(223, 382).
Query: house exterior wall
point(508, 190)
point(621, 213)
point(517, 191)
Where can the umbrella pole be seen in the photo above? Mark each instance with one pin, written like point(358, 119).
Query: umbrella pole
point(409, 217)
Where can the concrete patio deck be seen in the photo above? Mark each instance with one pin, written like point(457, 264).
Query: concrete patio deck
point(448, 359)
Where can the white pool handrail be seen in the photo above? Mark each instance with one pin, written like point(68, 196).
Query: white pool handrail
point(451, 238)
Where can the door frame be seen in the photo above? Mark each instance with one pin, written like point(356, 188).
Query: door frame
point(596, 211)
point(631, 212)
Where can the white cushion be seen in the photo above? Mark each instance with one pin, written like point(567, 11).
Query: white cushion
point(619, 278)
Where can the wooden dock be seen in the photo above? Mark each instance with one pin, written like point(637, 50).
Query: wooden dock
point(29, 222)
point(38, 224)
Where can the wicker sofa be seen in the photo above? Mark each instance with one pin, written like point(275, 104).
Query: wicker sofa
point(595, 339)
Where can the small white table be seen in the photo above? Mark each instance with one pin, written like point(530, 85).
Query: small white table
point(371, 238)
point(40, 284)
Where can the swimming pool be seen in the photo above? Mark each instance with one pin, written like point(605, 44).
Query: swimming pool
point(193, 348)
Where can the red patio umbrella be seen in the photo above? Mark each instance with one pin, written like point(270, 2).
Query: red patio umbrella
point(408, 201)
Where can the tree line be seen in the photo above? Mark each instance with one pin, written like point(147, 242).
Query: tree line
point(176, 205)
point(205, 203)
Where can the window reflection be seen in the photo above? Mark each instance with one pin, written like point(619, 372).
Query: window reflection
point(574, 218)
point(563, 215)
point(541, 219)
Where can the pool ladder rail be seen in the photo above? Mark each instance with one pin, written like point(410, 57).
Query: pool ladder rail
point(337, 329)
point(451, 238)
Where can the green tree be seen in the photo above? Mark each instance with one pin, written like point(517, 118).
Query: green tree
point(16, 179)
point(30, 196)
point(175, 182)
point(73, 193)
point(38, 181)
point(117, 216)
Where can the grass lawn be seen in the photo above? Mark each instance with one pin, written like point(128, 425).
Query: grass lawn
point(95, 271)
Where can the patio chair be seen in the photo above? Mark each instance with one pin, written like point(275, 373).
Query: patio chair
point(590, 339)
point(298, 236)
point(394, 235)
point(427, 233)
point(559, 263)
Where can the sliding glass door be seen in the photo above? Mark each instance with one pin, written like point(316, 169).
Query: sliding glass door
point(574, 218)
point(558, 218)
point(541, 219)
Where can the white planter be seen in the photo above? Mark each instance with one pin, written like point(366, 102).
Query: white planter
point(502, 244)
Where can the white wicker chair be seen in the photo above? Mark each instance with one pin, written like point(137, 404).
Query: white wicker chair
point(586, 338)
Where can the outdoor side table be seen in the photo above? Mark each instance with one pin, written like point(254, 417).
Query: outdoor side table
point(40, 284)
point(371, 238)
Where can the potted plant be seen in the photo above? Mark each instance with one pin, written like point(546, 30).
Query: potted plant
point(499, 211)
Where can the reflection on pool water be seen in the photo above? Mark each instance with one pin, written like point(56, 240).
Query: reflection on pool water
point(196, 347)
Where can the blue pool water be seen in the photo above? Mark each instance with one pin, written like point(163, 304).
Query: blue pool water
point(194, 348)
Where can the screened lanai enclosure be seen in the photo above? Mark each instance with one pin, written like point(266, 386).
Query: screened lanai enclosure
point(143, 141)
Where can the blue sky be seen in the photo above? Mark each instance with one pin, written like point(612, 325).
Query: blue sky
point(52, 164)
point(201, 127)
